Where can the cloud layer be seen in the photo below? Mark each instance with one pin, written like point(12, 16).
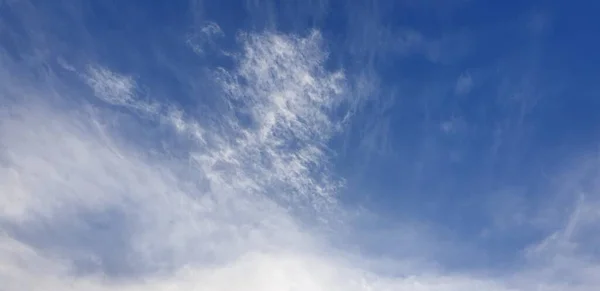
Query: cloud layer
point(106, 185)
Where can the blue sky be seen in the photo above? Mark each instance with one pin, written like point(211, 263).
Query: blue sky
point(299, 145)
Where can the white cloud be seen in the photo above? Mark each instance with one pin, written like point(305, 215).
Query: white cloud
point(84, 200)
point(95, 213)
point(111, 87)
point(84, 207)
point(72, 197)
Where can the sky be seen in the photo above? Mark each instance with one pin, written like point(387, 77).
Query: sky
point(299, 145)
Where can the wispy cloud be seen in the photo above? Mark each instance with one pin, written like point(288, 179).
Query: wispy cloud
point(204, 37)
point(82, 200)
point(111, 87)
point(91, 199)
point(464, 84)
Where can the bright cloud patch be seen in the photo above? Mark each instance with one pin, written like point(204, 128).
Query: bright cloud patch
point(111, 87)
point(82, 202)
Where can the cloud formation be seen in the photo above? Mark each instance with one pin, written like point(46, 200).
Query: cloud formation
point(85, 208)
point(122, 191)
